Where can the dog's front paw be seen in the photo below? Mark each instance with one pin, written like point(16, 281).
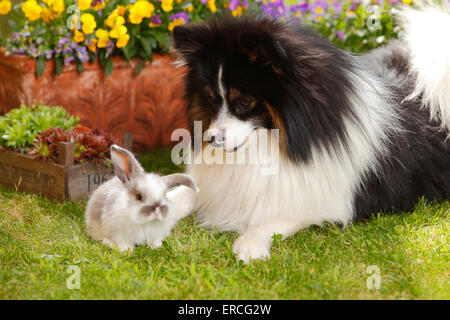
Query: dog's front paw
point(249, 246)
point(124, 247)
point(156, 244)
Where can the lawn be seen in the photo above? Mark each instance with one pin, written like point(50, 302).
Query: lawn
point(42, 240)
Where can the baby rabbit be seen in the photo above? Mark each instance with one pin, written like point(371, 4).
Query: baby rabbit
point(133, 208)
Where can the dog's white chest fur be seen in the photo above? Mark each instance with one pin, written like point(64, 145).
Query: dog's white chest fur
point(236, 197)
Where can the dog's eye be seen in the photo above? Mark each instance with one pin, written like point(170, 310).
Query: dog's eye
point(244, 105)
point(209, 94)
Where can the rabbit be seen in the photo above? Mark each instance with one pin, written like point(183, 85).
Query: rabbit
point(137, 208)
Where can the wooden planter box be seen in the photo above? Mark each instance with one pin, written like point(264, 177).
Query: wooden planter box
point(57, 181)
point(149, 105)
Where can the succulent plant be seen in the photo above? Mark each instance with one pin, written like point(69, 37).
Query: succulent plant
point(19, 127)
point(93, 145)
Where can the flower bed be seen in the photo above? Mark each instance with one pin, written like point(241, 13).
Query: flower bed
point(99, 29)
point(58, 49)
point(43, 151)
point(87, 30)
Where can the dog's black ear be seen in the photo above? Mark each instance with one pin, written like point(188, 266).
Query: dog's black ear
point(188, 40)
point(262, 48)
point(181, 37)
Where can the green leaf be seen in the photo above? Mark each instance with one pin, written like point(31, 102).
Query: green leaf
point(154, 43)
point(59, 65)
point(91, 57)
point(13, 25)
point(140, 65)
point(40, 65)
point(126, 53)
point(80, 66)
point(133, 51)
point(109, 67)
point(147, 46)
point(102, 57)
point(38, 30)
point(163, 39)
point(134, 30)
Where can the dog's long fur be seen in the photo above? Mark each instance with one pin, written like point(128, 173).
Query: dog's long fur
point(359, 134)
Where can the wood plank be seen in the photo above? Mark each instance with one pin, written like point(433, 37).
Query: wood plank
point(66, 153)
point(128, 141)
point(84, 178)
point(23, 173)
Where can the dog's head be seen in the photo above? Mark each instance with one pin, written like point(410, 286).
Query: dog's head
point(249, 73)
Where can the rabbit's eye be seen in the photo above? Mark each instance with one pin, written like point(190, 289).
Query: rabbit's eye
point(138, 196)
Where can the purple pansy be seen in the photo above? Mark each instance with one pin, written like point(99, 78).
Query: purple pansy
point(179, 15)
point(156, 19)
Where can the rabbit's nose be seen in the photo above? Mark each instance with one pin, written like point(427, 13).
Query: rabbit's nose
point(161, 211)
point(148, 210)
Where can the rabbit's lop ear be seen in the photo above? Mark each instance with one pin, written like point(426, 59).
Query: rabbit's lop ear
point(178, 179)
point(126, 167)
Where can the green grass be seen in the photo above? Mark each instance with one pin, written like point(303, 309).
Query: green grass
point(40, 240)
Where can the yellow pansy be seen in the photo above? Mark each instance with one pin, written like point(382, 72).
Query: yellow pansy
point(103, 37)
point(135, 18)
point(189, 7)
point(93, 45)
point(117, 32)
point(84, 4)
point(237, 12)
point(123, 41)
point(32, 10)
point(121, 9)
point(88, 23)
point(140, 10)
point(5, 6)
point(114, 19)
point(47, 15)
point(119, 21)
point(174, 23)
point(167, 5)
point(111, 19)
point(100, 6)
point(57, 6)
point(212, 5)
point(407, 1)
point(78, 36)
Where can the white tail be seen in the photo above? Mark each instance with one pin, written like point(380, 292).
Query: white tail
point(427, 33)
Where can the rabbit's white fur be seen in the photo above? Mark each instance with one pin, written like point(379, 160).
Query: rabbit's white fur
point(135, 208)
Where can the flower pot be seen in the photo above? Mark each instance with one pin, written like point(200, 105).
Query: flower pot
point(149, 105)
point(60, 180)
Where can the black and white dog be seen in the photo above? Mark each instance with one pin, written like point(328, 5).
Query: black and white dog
point(358, 134)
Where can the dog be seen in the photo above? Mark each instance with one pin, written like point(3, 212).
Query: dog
point(358, 134)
